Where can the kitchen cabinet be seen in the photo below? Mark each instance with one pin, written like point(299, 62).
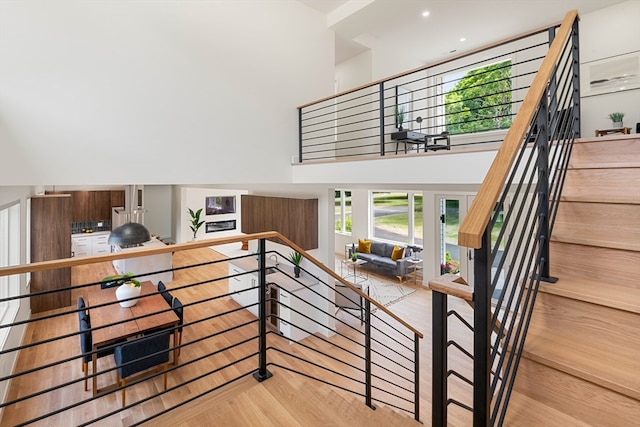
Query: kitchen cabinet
point(90, 244)
point(296, 300)
point(244, 288)
point(50, 230)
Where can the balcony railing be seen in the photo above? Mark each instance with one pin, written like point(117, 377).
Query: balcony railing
point(226, 336)
point(472, 97)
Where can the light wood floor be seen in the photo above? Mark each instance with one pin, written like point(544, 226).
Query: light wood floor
point(200, 368)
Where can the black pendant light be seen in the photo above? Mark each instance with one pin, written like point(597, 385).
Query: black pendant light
point(129, 234)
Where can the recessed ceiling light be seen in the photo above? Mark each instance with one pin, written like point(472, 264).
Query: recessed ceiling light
point(462, 39)
point(426, 13)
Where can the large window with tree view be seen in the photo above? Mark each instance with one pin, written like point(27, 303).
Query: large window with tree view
point(478, 100)
point(342, 205)
point(397, 217)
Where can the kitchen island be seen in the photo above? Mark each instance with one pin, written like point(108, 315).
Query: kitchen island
point(294, 296)
point(146, 264)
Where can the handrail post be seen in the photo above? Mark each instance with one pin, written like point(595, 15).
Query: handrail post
point(439, 355)
point(575, 40)
point(542, 146)
point(482, 332)
point(367, 352)
point(262, 373)
point(381, 97)
point(416, 377)
point(299, 135)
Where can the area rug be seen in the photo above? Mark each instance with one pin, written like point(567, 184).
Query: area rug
point(388, 293)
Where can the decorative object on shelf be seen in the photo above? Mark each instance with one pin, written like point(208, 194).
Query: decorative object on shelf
point(399, 117)
point(616, 118)
point(195, 221)
point(419, 121)
point(296, 258)
point(128, 287)
point(415, 250)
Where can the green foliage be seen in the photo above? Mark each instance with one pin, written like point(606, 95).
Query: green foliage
point(295, 257)
point(616, 117)
point(348, 224)
point(481, 100)
point(122, 278)
point(195, 221)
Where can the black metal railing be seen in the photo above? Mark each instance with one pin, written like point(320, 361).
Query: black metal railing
point(512, 256)
point(374, 355)
point(465, 101)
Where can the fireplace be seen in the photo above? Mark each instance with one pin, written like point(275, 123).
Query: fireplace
point(215, 226)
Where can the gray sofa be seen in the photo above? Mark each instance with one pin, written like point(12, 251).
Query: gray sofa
point(380, 259)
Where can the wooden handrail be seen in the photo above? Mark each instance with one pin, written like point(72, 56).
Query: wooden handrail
point(476, 220)
point(138, 252)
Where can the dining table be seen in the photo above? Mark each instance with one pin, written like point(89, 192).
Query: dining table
point(112, 323)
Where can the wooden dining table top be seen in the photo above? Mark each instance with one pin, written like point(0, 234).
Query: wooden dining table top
point(105, 320)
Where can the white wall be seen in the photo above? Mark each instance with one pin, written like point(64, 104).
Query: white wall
point(161, 92)
point(608, 33)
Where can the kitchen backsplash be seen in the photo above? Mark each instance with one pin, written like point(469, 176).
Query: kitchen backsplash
point(90, 226)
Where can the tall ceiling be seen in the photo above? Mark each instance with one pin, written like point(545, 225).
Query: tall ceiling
point(359, 23)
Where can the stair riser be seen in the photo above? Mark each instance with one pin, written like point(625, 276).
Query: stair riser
point(593, 324)
point(585, 401)
point(619, 267)
point(619, 217)
point(606, 153)
point(603, 185)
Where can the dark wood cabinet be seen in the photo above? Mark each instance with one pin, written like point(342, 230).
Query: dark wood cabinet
point(297, 219)
point(117, 198)
point(51, 217)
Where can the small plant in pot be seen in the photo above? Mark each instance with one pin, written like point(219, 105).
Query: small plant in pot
point(195, 221)
point(296, 258)
point(616, 118)
point(128, 288)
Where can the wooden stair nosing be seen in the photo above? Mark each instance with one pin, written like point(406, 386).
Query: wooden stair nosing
point(578, 238)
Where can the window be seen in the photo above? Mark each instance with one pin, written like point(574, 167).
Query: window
point(397, 217)
point(478, 100)
point(9, 255)
point(343, 211)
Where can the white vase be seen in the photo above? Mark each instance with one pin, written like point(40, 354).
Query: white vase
point(126, 291)
point(617, 124)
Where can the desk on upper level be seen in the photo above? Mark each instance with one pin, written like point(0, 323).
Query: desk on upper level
point(417, 138)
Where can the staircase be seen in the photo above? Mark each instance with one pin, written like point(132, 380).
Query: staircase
point(582, 352)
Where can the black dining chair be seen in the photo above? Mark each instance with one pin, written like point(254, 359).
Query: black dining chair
point(178, 308)
point(86, 346)
point(139, 355)
point(164, 292)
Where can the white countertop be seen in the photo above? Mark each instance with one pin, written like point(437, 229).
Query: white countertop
point(287, 283)
point(95, 233)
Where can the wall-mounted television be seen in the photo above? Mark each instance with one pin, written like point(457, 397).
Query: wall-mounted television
point(216, 205)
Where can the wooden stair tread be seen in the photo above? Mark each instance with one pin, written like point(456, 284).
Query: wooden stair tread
point(589, 361)
point(621, 185)
point(606, 153)
point(526, 411)
point(607, 236)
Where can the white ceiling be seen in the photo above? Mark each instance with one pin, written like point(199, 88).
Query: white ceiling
point(400, 22)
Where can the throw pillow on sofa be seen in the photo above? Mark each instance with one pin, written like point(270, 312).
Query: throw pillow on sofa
point(364, 246)
point(397, 253)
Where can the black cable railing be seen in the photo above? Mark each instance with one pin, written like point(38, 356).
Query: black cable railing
point(511, 256)
point(223, 343)
point(472, 97)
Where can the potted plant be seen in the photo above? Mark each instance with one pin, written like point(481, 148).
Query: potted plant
point(296, 258)
point(128, 288)
point(616, 118)
point(195, 221)
point(399, 117)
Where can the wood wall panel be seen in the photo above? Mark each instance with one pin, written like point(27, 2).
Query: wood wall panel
point(297, 219)
point(51, 239)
